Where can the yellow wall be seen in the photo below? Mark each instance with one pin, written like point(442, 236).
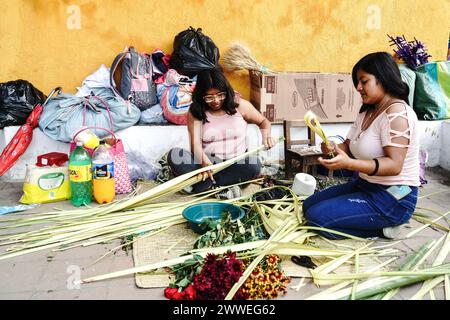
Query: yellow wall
point(286, 35)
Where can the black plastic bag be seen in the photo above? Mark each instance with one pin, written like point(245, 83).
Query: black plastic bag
point(17, 100)
point(193, 52)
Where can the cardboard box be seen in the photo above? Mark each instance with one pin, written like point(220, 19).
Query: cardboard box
point(289, 95)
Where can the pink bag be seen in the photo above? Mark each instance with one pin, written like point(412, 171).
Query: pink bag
point(121, 173)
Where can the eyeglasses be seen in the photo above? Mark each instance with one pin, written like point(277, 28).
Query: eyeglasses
point(211, 97)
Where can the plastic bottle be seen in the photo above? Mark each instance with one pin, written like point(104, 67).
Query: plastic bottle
point(103, 174)
point(80, 176)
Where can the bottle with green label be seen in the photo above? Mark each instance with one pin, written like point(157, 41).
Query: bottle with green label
point(80, 175)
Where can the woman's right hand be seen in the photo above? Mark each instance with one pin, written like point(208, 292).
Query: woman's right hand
point(204, 175)
point(328, 149)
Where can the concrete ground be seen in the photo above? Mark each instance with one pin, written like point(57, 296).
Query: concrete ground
point(45, 274)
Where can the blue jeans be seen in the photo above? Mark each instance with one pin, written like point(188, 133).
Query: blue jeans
point(181, 161)
point(359, 208)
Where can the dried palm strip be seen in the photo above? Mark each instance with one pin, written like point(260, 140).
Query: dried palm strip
point(430, 210)
point(51, 238)
point(431, 223)
point(355, 282)
point(409, 235)
point(273, 244)
point(412, 263)
point(423, 274)
point(440, 258)
point(373, 287)
point(334, 264)
point(282, 231)
point(313, 123)
point(447, 287)
point(325, 294)
point(300, 284)
point(249, 248)
point(432, 194)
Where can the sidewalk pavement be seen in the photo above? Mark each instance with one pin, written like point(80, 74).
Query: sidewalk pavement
point(48, 275)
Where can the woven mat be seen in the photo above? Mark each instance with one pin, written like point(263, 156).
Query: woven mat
point(168, 244)
point(172, 243)
point(175, 241)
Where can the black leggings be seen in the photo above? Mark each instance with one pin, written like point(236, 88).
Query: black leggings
point(182, 161)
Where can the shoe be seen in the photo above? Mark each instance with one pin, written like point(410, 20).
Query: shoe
point(229, 193)
point(188, 190)
point(392, 232)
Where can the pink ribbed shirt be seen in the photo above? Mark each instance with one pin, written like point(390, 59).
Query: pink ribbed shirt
point(225, 135)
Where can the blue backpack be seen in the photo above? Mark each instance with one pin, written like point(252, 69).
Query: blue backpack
point(132, 78)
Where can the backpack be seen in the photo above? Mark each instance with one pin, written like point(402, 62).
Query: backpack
point(131, 78)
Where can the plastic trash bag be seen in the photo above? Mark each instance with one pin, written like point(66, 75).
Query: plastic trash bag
point(140, 169)
point(17, 100)
point(193, 52)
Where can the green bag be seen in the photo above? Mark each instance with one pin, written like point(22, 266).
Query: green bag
point(432, 93)
point(409, 77)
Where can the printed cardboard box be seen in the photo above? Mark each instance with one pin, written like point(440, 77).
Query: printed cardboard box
point(289, 95)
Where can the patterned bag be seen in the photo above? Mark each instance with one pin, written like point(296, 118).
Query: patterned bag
point(121, 173)
point(175, 96)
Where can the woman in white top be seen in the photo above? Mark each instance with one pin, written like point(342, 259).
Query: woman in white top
point(383, 146)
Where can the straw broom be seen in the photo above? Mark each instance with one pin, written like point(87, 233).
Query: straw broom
point(238, 57)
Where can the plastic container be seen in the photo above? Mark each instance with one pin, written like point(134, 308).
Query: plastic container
point(198, 213)
point(52, 159)
point(87, 138)
point(103, 174)
point(80, 176)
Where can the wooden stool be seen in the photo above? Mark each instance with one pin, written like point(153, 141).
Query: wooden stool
point(305, 151)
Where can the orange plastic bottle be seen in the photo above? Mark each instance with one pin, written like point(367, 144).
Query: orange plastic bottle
point(103, 184)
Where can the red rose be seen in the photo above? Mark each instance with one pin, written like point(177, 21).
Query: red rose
point(170, 292)
point(189, 293)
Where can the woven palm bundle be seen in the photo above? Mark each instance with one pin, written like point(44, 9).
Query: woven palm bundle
point(238, 57)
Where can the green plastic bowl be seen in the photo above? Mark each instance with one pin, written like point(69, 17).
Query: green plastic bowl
point(198, 213)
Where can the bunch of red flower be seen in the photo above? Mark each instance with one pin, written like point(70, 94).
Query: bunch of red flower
point(218, 276)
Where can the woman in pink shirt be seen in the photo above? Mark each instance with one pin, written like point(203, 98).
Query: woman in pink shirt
point(217, 126)
point(383, 146)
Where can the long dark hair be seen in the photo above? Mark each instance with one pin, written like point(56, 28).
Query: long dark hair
point(383, 67)
point(206, 80)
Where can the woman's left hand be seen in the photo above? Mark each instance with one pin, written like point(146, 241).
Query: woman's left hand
point(340, 161)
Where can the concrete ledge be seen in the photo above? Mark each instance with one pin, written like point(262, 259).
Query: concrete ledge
point(152, 142)
point(444, 158)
